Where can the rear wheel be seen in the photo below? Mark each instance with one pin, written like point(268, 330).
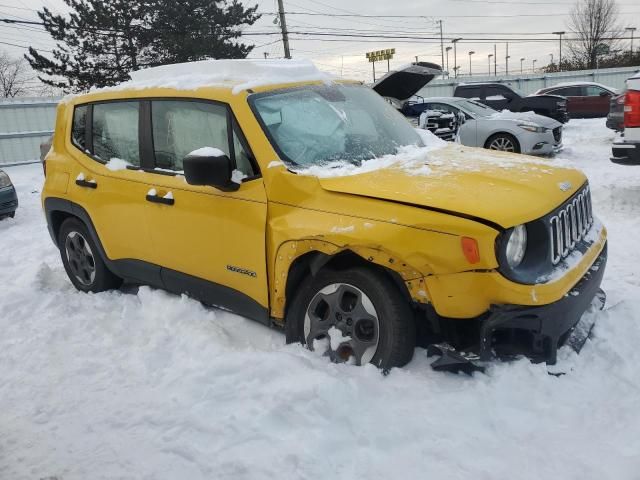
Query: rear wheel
point(503, 142)
point(353, 315)
point(82, 261)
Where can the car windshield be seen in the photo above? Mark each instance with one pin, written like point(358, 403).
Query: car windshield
point(476, 109)
point(314, 125)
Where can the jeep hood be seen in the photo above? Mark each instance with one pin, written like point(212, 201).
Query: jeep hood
point(494, 187)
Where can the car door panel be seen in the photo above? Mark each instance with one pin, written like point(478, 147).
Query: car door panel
point(111, 197)
point(206, 234)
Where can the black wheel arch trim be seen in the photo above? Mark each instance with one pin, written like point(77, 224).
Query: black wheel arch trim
point(139, 271)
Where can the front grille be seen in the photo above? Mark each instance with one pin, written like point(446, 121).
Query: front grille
point(557, 134)
point(570, 224)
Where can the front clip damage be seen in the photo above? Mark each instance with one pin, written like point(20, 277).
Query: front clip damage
point(454, 361)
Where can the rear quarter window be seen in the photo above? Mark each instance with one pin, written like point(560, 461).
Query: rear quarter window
point(79, 127)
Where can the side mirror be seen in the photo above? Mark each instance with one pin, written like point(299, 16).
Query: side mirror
point(213, 171)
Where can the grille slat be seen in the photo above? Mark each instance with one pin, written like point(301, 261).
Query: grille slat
point(570, 225)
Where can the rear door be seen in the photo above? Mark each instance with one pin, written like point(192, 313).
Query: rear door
point(107, 182)
point(575, 99)
point(210, 243)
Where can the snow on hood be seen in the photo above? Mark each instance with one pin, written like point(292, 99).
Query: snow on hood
point(526, 117)
point(241, 74)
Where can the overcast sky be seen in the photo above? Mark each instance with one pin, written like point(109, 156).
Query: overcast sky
point(461, 18)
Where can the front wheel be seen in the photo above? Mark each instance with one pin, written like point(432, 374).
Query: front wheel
point(355, 315)
point(82, 261)
point(503, 142)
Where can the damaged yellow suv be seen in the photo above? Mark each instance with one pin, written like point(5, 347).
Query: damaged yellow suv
point(270, 190)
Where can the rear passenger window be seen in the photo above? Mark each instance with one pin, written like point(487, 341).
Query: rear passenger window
point(180, 127)
point(79, 128)
point(115, 132)
point(470, 92)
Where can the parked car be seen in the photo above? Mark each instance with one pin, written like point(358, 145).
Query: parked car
point(482, 126)
point(626, 149)
point(615, 119)
point(8, 197)
point(261, 190)
point(584, 99)
point(500, 96)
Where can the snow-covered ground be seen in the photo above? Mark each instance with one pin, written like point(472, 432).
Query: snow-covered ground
point(140, 384)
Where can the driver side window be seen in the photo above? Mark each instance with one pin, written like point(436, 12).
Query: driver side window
point(179, 127)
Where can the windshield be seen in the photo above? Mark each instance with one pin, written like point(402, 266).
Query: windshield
point(474, 108)
point(319, 124)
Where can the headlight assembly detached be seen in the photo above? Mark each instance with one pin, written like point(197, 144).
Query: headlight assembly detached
point(5, 181)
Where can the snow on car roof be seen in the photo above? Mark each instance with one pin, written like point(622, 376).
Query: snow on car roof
point(237, 74)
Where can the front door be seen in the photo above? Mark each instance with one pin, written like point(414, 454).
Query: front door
point(210, 243)
point(597, 101)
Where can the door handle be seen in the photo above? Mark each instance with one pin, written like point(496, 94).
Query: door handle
point(81, 182)
point(153, 197)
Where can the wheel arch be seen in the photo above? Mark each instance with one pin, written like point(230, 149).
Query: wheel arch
point(298, 259)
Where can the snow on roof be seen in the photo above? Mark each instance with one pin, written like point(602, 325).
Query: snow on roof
point(238, 74)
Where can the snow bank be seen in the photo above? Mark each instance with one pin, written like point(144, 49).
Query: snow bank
point(241, 74)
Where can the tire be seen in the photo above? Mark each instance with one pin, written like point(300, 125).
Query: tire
point(503, 139)
point(82, 260)
point(382, 330)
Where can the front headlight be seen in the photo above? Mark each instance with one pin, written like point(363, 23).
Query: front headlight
point(532, 127)
point(5, 181)
point(516, 246)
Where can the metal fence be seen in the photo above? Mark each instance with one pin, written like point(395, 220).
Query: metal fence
point(530, 83)
point(24, 124)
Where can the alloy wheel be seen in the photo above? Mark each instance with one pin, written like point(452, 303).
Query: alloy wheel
point(503, 144)
point(349, 310)
point(80, 258)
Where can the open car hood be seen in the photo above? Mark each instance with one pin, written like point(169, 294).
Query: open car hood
point(405, 82)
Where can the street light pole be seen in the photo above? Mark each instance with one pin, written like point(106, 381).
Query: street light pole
point(521, 60)
point(631, 29)
point(447, 50)
point(455, 56)
point(506, 61)
point(560, 61)
point(534, 65)
point(489, 59)
point(470, 53)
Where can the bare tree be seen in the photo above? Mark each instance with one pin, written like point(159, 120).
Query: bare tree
point(14, 76)
point(594, 24)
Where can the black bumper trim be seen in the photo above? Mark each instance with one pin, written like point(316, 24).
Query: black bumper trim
point(547, 324)
point(627, 153)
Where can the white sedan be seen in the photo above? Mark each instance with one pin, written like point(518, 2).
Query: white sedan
point(477, 125)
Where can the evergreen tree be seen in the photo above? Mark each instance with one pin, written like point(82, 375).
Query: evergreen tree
point(100, 42)
point(199, 29)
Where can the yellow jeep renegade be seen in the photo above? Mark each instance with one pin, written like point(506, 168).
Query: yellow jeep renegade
point(315, 206)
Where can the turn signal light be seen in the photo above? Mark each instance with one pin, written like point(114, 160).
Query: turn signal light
point(470, 249)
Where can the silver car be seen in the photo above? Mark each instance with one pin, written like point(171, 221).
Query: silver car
point(480, 126)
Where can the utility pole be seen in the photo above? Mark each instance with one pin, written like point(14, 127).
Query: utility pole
point(560, 61)
point(489, 61)
point(455, 56)
point(506, 58)
point(495, 60)
point(283, 26)
point(631, 29)
point(470, 53)
point(441, 47)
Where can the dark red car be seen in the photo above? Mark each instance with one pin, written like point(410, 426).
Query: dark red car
point(584, 99)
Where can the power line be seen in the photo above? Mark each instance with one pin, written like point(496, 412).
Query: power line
point(427, 17)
